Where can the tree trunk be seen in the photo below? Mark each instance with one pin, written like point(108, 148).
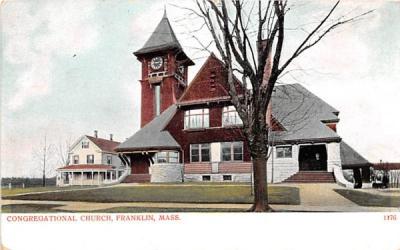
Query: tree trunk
point(260, 154)
point(260, 185)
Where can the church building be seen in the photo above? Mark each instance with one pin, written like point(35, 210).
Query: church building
point(192, 132)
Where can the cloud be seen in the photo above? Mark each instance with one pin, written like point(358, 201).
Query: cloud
point(36, 39)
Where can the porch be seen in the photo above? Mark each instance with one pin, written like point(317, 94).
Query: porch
point(87, 175)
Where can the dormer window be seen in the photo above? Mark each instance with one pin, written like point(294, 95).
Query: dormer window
point(197, 118)
point(230, 117)
point(85, 144)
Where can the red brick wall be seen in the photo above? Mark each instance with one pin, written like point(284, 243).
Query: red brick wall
point(171, 91)
point(215, 133)
point(210, 82)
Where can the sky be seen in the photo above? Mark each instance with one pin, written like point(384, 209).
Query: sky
point(67, 69)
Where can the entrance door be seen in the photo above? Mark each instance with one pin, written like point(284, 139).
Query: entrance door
point(313, 158)
point(139, 164)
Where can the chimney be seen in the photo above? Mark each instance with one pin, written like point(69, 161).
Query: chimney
point(95, 133)
point(111, 137)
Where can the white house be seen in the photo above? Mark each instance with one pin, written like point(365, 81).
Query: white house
point(92, 161)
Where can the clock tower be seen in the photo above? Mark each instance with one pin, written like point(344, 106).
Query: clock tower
point(164, 71)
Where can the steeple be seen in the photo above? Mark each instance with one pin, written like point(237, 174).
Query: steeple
point(164, 71)
point(162, 38)
point(165, 12)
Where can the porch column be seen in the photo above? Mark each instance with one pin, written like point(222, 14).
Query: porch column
point(92, 177)
point(72, 178)
point(81, 178)
point(98, 177)
point(333, 151)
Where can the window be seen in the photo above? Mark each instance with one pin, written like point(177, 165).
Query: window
point(206, 178)
point(230, 116)
point(76, 159)
point(199, 152)
point(284, 152)
point(167, 157)
point(157, 99)
point(232, 151)
point(109, 159)
point(90, 159)
point(85, 144)
point(197, 118)
point(227, 177)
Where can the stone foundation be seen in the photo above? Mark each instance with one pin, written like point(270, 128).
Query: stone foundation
point(166, 172)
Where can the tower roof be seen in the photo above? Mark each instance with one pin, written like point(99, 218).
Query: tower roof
point(162, 38)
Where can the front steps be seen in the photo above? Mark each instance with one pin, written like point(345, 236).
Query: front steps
point(137, 178)
point(311, 177)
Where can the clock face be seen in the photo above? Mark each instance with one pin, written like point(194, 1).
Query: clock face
point(156, 62)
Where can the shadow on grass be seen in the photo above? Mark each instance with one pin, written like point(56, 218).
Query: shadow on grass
point(175, 194)
point(369, 200)
point(30, 208)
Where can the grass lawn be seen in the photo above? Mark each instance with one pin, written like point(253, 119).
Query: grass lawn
point(49, 208)
point(369, 200)
point(15, 191)
point(169, 193)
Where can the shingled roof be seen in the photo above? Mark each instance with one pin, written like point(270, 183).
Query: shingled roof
point(302, 114)
point(152, 136)
point(162, 38)
point(103, 144)
point(350, 157)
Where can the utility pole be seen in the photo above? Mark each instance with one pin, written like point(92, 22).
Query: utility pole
point(44, 161)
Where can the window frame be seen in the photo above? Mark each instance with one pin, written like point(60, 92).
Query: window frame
point(232, 151)
point(87, 159)
point(226, 111)
point(187, 115)
point(168, 157)
point(85, 144)
point(227, 177)
point(109, 159)
point(206, 178)
point(284, 156)
point(75, 159)
point(157, 99)
point(200, 154)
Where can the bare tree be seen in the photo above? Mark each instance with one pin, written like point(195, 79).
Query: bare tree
point(62, 152)
point(258, 61)
point(44, 155)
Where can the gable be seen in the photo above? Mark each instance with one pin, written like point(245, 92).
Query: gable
point(77, 146)
point(209, 84)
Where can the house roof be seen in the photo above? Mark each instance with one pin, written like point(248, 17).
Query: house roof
point(86, 167)
point(162, 38)
point(302, 113)
point(350, 157)
point(153, 135)
point(387, 166)
point(103, 144)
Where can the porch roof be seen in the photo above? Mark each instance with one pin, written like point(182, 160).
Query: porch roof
point(152, 135)
point(86, 167)
point(351, 158)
